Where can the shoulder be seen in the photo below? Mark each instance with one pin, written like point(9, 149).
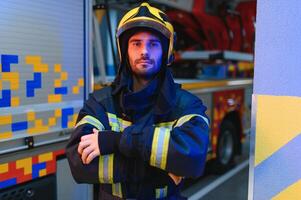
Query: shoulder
point(189, 103)
point(102, 94)
point(185, 98)
point(99, 97)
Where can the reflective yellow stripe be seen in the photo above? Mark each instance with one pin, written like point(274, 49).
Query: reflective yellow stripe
point(154, 147)
point(88, 119)
point(105, 168)
point(157, 193)
point(117, 124)
point(165, 149)
point(116, 190)
point(123, 124)
point(186, 118)
point(113, 121)
point(161, 192)
point(126, 123)
point(160, 147)
point(166, 124)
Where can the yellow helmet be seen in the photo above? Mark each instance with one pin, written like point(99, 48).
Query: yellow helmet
point(149, 17)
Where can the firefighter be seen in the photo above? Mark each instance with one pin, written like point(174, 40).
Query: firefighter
point(139, 137)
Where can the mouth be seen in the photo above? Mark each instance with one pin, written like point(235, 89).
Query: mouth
point(144, 62)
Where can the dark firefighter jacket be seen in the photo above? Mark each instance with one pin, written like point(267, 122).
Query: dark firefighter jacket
point(145, 139)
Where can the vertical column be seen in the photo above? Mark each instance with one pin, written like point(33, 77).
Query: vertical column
point(275, 160)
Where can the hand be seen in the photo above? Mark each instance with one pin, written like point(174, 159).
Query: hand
point(176, 179)
point(88, 147)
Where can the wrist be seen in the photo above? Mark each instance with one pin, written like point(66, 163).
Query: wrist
point(108, 142)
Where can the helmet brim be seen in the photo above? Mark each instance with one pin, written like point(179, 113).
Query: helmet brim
point(147, 24)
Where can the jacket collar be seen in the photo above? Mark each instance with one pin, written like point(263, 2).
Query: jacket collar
point(165, 85)
point(167, 94)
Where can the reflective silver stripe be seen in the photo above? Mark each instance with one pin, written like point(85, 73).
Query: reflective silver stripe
point(161, 192)
point(88, 119)
point(105, 168)
point(116, 190)
point(186, 118)
point(160, 147)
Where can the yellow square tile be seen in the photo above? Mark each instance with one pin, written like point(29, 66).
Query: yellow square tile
point(43, 67)
point(45, 157)
point(15, 101)
point(52, 121)
point(71, 124)
point(13, 78)
point(81, 82)
point(57, 83)
point(64, 76)
point(54, 98)
point(58, 113)
point(5, 119)
point(75, 117)
point(3, 168)
point(57, 67)
point(33, 59)
point(25, 164)
point(42, 172)
point(38, 122)
point(75, 90)
point(31, 116)
point(6, 135)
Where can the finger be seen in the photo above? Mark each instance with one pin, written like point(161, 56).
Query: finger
point(86, 152)
point(91, 156)
point(82, 145)
point(95, 131)
point(86, 137)
point(176, 179)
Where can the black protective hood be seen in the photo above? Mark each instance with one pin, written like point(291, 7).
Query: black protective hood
point(166, 87)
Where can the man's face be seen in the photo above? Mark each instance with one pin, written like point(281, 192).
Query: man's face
point(145, 54)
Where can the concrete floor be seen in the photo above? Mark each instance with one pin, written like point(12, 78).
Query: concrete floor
point(234, 188)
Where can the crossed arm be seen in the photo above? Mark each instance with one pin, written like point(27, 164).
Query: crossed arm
point(181, 151)
point(88, 147)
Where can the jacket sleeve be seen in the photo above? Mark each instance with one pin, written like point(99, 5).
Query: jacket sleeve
point(106, 168)
point(180, 150)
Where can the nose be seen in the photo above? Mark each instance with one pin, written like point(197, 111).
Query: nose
point(144, 50)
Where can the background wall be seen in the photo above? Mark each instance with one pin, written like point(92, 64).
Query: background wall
point(276, 116)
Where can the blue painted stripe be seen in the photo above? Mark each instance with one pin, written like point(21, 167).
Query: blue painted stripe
point(36, 168)
point(31, 85)
point(19, 126)
point(6, 60)
point(65, 113)
point(6, 97)
point(160, 146)
point(61, 90)
point(7, 183)
point(279, 171)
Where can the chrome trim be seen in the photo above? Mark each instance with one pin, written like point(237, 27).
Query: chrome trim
point(252, 148)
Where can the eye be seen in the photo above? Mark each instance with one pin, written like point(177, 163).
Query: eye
point(155, 44)
point(136, 44)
